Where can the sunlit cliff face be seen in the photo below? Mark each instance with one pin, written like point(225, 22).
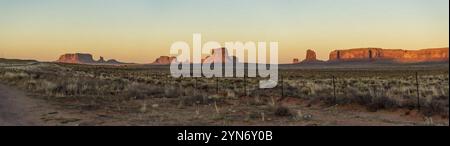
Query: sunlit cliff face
point(397, 55)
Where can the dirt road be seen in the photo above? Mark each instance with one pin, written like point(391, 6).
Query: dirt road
point(16, 109)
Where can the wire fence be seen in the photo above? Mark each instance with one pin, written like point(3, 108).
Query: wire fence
point(412, 89)
point(405, 89)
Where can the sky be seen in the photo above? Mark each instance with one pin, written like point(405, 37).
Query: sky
point(141, 30)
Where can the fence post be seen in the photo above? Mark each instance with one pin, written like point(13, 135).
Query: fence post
point(217, 85)
point(282, 86)
point(245, 85)
point(418, 92)
point(195, 85)
point(334, 89)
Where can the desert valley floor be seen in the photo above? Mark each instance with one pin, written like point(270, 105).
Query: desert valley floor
point(36, 93)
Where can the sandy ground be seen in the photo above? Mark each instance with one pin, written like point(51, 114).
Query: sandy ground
point(17, 109)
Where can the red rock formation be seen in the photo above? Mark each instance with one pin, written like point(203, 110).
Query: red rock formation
point(80, 58)
point(101, 60)
point(295, 61)
point(164, 60)
point(77, 58)
point(354, 54)
point(219, 55)
point(311, 57)
point(395, 55)
point(425, 55)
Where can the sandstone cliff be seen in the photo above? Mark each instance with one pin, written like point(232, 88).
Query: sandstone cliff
point(77, 58)
point(101, 60)
point(164, 60)
point(311, 57)
point(82, 58)
point(394, 55)
point(220, 55)
point(295, 61)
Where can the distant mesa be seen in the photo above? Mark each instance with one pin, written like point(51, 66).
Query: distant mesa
point(220, 55)
point(295, 61)
point(101, 60)
point(311, 57)
point(113, 61)
point(164, 60)
point(390, 55)
point(4, 61)
point(83, 58)
point(365, 55)
point(77, 58)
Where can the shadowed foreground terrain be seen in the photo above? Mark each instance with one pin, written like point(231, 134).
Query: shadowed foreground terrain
point(13, 107)
point(68, 94)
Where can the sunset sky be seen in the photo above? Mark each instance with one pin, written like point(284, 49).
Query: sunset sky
point(141, 30)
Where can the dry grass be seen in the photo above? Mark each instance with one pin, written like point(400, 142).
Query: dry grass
point(116, 88)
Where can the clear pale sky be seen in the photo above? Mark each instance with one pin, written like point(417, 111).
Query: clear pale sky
point(141, 30)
